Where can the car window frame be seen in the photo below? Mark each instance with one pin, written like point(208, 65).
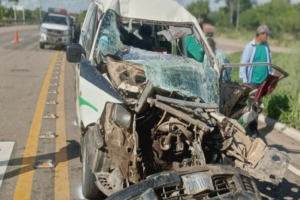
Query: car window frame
point(86, 19)
point(89, 32)
point(100, 9)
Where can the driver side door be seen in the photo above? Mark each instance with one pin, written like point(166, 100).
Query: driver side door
point(86, 41)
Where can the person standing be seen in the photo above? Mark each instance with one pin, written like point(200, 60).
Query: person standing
point(194, 49)
point(256, 51)
point(220, 58)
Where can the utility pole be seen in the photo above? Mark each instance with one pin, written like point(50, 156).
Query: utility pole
point(237, 16)
point(40, 10)
point(231, 11)
point(24, 14)
point(15, 12)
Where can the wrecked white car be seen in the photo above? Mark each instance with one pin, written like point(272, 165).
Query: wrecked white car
point(151, 119)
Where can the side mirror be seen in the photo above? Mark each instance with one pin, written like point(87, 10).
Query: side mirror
point(74, 52)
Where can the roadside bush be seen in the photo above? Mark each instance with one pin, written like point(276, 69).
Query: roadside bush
point(220, 19)
point(278, 15)
point(276, 28)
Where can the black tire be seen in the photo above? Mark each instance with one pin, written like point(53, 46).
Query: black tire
point(89, 188)
point(42, 45)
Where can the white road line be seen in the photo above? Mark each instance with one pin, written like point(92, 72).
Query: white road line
point(5, 152)
point(294, 170)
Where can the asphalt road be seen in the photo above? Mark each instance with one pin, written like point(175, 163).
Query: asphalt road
point(25, 77)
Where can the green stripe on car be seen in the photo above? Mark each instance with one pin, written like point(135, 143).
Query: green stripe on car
point(82, 101)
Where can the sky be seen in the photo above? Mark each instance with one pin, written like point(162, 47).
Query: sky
point(80, 5)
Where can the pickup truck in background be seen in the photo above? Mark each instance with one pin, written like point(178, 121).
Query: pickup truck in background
point(55, 28)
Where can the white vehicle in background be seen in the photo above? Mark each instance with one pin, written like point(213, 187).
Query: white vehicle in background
point(55, 28)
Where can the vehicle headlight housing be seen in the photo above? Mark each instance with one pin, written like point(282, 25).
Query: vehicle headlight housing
point(43, 30)
point(121, 116)
point(66, 32)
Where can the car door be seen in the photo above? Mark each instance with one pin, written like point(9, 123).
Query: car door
point(93, 89)
point(87, 32)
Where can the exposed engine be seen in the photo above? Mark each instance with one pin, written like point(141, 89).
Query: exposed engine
point(157, 130)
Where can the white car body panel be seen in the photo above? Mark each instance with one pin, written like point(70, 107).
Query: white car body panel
point(94, 96)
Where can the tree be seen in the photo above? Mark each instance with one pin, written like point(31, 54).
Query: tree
point(280, 16)
point(235, 7)
point(2, 12)
point(16, 1)
point(199, 9)
point(9, 13)
point(245, 4)
point(81, 15)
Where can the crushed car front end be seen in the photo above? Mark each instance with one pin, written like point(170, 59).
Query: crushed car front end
point(146, 108)
point(212, 182)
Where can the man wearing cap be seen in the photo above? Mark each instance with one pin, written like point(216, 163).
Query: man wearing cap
point(256, 51)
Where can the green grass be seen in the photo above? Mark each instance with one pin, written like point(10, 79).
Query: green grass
point(284, 103)
point(235, 58)
point(287, 40)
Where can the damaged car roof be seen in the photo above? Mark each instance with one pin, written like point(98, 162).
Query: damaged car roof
point(165, 10)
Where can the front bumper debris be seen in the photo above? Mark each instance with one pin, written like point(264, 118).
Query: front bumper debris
point(229, 183)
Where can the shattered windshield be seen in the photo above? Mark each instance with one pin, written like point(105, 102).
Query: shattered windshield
point(187, 76)
point(162, 51)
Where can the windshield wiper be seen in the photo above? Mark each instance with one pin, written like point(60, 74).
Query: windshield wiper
point(186, 103)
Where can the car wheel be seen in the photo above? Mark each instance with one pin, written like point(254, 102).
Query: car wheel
point(89, 188)
point(42, 45)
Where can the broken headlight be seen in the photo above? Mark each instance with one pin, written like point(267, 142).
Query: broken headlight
point(121, 116)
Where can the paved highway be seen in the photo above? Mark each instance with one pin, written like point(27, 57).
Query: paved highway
point(27, 75)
